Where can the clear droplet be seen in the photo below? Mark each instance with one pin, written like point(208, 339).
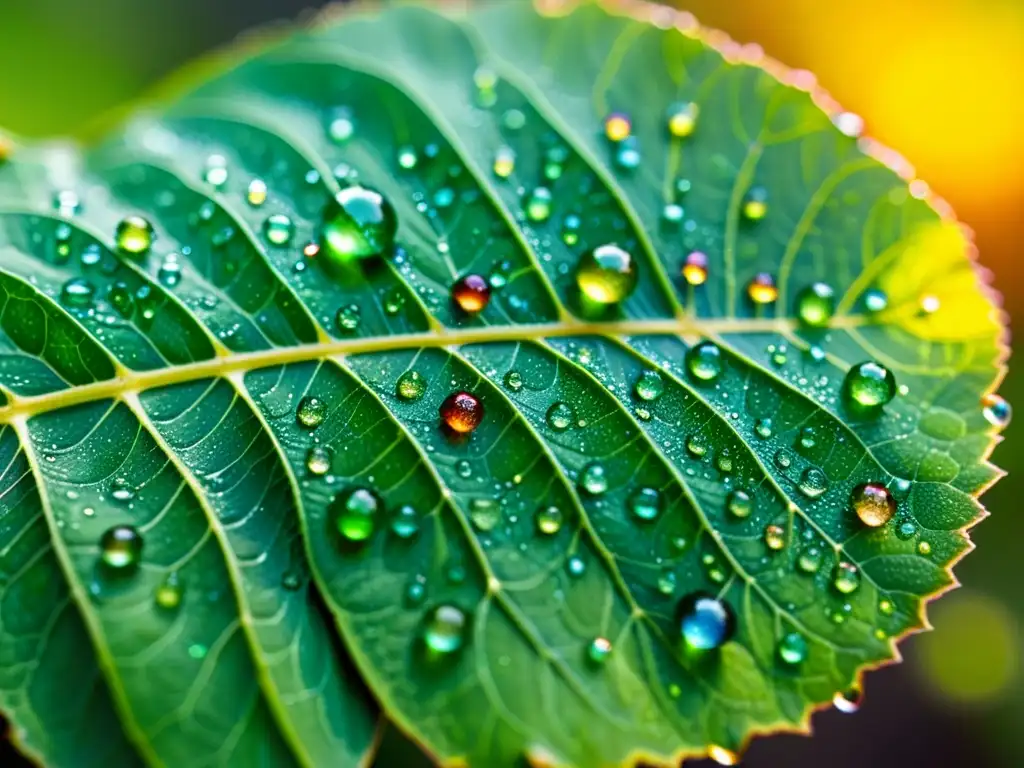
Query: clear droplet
point(739, 504)
point(593, 479)
point(405, 522)
point(764, 428)
point(996, 410)
point(120, 297)
point(704, 361)
point(560, 417)
point(462, 412)
point(775, 537)
point(121, 490)
point(644, 504)
point(695, 268)
point(169, 592)
point(846, 578)
point(705, 622)
point(697, 446)
point(513, 380)
point(341, 125)
point(355, 512)
point(813, 482)
point(121, 548)
point(724, 461)
point(318, 460)
point(869, 385)
point(682, 119)
point(875, 300)
point(348, 318)
point(411, 386)
point(873, 503)
point(169, 273)
point(667, 581)
point(311, 412)
point(906, 530)
point(627, 154)
point(792, 648)
point(485, 514)
point(134, 235)
point(538, 204)
point(575, 566)
point(358, 223)
point(77, 292)
point(649, 386)
point(445, 630)
point(762, 289)
point(216, 172)
point(816, 304)
point(607, 274)
point(278, 229)
point(809, 560)
point(548, 520)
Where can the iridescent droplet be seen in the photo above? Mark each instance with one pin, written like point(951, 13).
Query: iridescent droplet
point(695, 268)
point(873, 503)
point(996, 410)
point(762, 289)
point(607, 274)
point(471, 294)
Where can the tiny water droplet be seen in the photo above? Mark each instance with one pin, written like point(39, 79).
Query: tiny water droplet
point(813, 482)
point(355, 513)
point(695, 268)
point(407, 158)
point(347, 318)
point(775, 537)
point(121, 490)
point(924, 548)
point(485, 514)
point(644, 504)
point(649, 386)
point(445, 630)
point(617, 127)
point(697, 446)
point(405, 522)
point(513, 380)
point(504, 162)
point(739, 504)
point(134, 235)
point(256, 194)
point(875, 300)
point(723, 756)
point(792, 648)
point(121, 299)
point(755, 204)
point(704, 361)
point(809, 560)
point(906, 530)
point(77, 292)
point(724, 461)
point(599, 650)
point(341, 125)
point(278, 229)
point(318, 460)
point(705, 622)
point(873, 504)
point(216, 171)
point(607, 274)
point(462, 412)
point(169, 273)
point(846, 578)
point(763, 428)
point(571, 229)
point(169, 592)
point(416, 591)
point(575, 566)
point(667, 582)
point(411, 386)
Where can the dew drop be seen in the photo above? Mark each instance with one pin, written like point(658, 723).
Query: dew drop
point(649, 386)
point(471, 294)
point(667, 582)
point(695, 268)
point(575, 566)
point(485, 514)
point(599, 650)
point(358, 223)
point(869, 385)
point(461, 412)
point(813, 483)
point(848, 701)
point(407, 158)
point(762, 289)
point(216, 171)
point(121, 490)
point(627, 154)
point(593, 479)
point(278, 229)
point(121, 548)
point(538, 204)
point(617, 127)
point(846, 578)
point(77, 292)
point(571, 229)
point(775, 537)
point(809, 560)
point(704, 361)
point(169, 273)
point(318, 460)
point(560, 417)
point(311, 412)
point(682, 119)
point(256, 194)
point(996, 410)
point(169, 593)
point(723, 756)
point(816, 304)
point(548, 520)
point(875, 301)
point(644, 504)
point(394, 300)
point(755, 204)
point(445, 630)
point(120, 297)
point(724, 461)
point(607, 274)
point(411, 386)
point(739, 504)
point(886, 607)
point(792, 648)
point(405, 522)
point(134, 235)
point(906, 530)
point(705, 622)
point(697, 446)
point(341, 126)
point(873, 504)
point(354, 512)
point(924, 548)
point(504, 162)
point(513, 380)
point(347, 319)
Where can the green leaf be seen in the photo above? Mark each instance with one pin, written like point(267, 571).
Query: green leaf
point(242, 397)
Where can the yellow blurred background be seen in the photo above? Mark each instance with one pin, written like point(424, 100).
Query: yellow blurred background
point(940, 80)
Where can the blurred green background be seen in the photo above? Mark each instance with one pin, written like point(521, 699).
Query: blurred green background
point(940, 80)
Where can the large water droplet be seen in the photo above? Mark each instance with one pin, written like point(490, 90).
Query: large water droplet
point(704, 622)
point(445, 630)
point(548, 520)
point(996, 410)
point(461, 412)
point(816, 304)
point(471, 294)
point(560, 416)
point(278, 229)
point(121, 548)
point(134, 235)
point(704, 361)
point(644, 504)
point(869, 385)
point(593, 479)
point(649, 386)
point(411, 386)
point(355, 512)
point(607, 274)
point(792, 648)
point(311, 412)
point(813, 483)
point(873, 503)
point(358, 223)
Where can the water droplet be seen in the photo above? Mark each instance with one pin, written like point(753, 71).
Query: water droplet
point(358, 223)
point(924, 548)
point(120, 297)
point(869, 385)
point(216, 172)
point(617, 127)
point(627, 155)
point(445, 630)
point(873, 504)
point(739, 504)
point(644, 504)
point(169, 273)
point(722, 756)
point(169, 592)
point(813, 483)
point(311, 412)
point(134, 235)
point(548, 520)
point(607, 274)
point(724, 461)
point(67, 203)
point(762, 289)
point(808, 438)
point(538, 204)
point(504, 162)
point(704, 622)
point(682, 119)
point(846, 578)
point(405, 522)
point(593, 479)
point(763, 428)
point(560, 417)
point(667, 582)
point(411, 386)
point(471, 294)
point(394, 300)
point(416, 590)
point(849, 701)
point(77, 292)
point(886, 607)
point(341, 125)
point(906, 530)
point(809, 560)
point(875, 300)
point(347, 318)
point(485, 514)
point(354, 512)
point(575, 566)
point(695, 268)
point(704, 361)
point(792, 648)
point(121, 548)
point(256, 194)
point(121, 490)
point(755, 204)
point(775, 537)
point(649, 386)
point(462, 412)
point(599, 650)
point(318, 460)
point(996, 410)
point(278, 229)
point(513, 380)
point(672, 214)
point(407, 157)
point(571, 229)
point(816, 304)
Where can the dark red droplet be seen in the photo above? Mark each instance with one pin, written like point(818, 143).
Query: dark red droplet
point(471, 294)
point(462, 412)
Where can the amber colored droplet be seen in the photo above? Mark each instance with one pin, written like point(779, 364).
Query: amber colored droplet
point(462, 412)
point(617, 127)
point(695, 270)
point(762, 289)
point(471, 294)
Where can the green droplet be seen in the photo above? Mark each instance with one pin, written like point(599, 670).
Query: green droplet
point(869, 385)
point(485, 514)
point(763, 428)
point(216, 171)
point(813, 483)
point(808, 438)
point(593, 479)
point(197, 651)
point(575, 566)
point(816, 304)
point(571, 229)
point(134, 235)
point(77, 292)
point(318, 460)
point(359, 222)
point(278, 229)
point(405, 522)
point(169, 592)
point(886, 607)
point(394, 301)
point(416, 591)
point(649, 386)
point(644, 504)
point(599, 650)
point(513, 380)
point(775, 537)
point(783, 459)
point(548, 520)
point(809, 560)
point(755, 204)
point(355, 512)
point(445, 630)
point(667, 582)
point(724, 461)
point(906, 530)
point(411, 385)
point(606, 275)
point(924, 548)
point(538, 204)
point(121, 299)
point(740, 504)
point(846, 578)
point(792, 648)
point(704, 361)
point(697, 446)
point(341, 126)
point(347, 318)
point(121, 548)
point(560, 417)
point(311, 412)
